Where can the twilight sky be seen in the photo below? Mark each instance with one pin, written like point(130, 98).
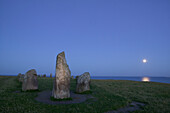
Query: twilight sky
point(103, 37)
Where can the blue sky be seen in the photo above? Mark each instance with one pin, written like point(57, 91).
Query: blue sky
point(103, 37)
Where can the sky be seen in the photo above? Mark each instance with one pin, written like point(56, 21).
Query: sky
point(103, 37)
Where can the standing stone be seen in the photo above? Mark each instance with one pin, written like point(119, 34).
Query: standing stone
point(44, 75)
point(83, 82)
point(30, 81)
point(51, 75)
point(21, 77)
point(61, 88)
point(77, 77)
point(19, 74)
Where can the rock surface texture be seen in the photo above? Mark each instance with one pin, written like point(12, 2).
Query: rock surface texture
point(30, 81)
point(44, 75)
point(61, 87)
point(19, 74)
point(83, 82)
point(21, 77)
point(51, 75)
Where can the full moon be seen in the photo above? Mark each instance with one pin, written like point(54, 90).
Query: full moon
point(145, 79)
point(144, 60)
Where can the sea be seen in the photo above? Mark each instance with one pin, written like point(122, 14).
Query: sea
point(149, 79)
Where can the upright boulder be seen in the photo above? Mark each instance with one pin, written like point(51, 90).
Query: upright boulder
point(30, 81)
point(83, 82)
point(19, 74)
point(44, 75)
point(77, 77)
point(51, 75)
point(21, 77)
point(61, 87)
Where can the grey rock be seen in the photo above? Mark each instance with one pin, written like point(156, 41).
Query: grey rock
point(20, 77)
point(83, 82)
point(77, 77)
point(30, 81)
point(19, 74)
point(44, 75)
point(51, 75)
point(61, 87)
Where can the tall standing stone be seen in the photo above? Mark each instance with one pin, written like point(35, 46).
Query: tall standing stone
point(30, 81)
point(83, 82)
point(61, 88)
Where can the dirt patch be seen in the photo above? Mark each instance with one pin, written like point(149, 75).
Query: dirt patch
point(130, 108)
point(44, 97)
point(17, 92)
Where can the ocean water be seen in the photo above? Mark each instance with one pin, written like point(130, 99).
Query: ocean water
point(151, 79)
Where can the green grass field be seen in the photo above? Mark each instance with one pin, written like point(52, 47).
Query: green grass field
point(110, 95)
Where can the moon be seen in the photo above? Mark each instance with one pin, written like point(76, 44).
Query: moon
point(144, 61)
point(145, 79)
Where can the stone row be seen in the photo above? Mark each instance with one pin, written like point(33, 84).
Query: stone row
point(61, 85)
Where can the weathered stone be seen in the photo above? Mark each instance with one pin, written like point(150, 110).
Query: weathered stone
point(51, 75)
point(19, 74)
point(61, 87)
point(30, 81)
point(83, 82)
point(20, 77)
point(44, 75)
point(77, 77)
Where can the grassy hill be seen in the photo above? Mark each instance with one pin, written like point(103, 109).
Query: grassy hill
point(110, 95)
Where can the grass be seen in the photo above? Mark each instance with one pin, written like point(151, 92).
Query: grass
point(85, 92)
point(36, 90)
point(110, 95)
